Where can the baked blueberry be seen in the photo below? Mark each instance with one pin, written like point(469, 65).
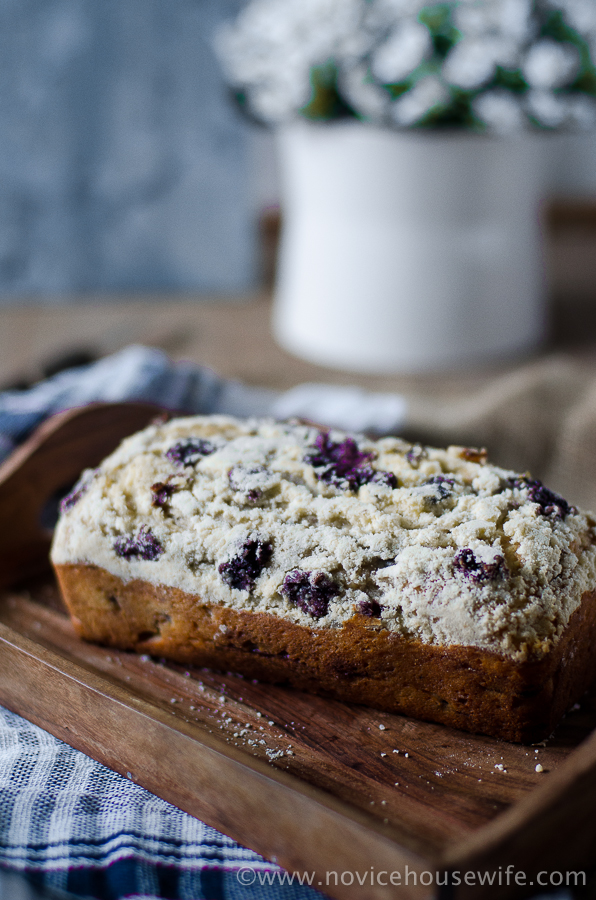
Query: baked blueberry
point(189, 451)
point(550, 504)
point(442, 486)
point(161, 493)
point(74, 496)
point(370, 608)
point(381, 477)
point(416, 454)
point(242, 570)
point(143, 545)
point(310, 592)
point(344, 464)
point(249, 481)
point(475, 569)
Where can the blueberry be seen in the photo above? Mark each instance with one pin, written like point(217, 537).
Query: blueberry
point(415, 455)
point(144, 546)
point(477, 571)
point(550, 504)
point(344, 464)
point(246, 480)
point(161, 493)
point(388, 478)
point(310, 593)
point(189, 451)
point(370, 608)
point(242, 570)
point(442, 486)
point(74, 496)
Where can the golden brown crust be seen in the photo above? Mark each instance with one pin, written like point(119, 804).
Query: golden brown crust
point(464, 687)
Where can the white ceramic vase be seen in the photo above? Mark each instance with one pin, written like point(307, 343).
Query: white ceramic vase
point(407, 251)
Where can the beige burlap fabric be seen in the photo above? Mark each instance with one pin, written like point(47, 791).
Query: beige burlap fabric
point(540, 418)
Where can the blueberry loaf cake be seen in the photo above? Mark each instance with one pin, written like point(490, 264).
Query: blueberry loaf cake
point(415, 580)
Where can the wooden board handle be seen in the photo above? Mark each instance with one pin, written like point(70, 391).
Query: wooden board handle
point(50, 461)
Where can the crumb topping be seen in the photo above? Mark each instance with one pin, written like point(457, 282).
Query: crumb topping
point(319, 527)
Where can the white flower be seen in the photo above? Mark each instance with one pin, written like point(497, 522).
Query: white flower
point(574, 111)
point(423, 98)
point(550, 65)
point(279, 99)
point(271, 49)
point(509, 19)
point(500, 111)
point(495, 34)
point(580, 14)
point(471, 63)
point(367, 99)
point(272, 41)
point(550, 110)
point(402, 52)
point(383, 14)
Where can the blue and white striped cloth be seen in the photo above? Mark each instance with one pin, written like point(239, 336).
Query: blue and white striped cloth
point(73, 825)
point(144, 373)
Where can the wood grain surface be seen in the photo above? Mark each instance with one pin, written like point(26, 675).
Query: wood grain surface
point(311, 783)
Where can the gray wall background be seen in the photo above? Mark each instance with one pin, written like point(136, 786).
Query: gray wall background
point(123, 166)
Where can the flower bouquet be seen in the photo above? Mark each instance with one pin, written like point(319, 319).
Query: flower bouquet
point(497, 65)
point(427, 109)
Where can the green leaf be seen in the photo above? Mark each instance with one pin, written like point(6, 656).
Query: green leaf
point(438, 20)
point(396, 90)
point(510, 79)
point(586, 83)
point(456, 113)
point(555, 27)
point(436, 17)
point(326, 102)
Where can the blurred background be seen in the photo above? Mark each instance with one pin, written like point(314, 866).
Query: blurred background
point(140, 205)
point(124, 167)
point(137, 204)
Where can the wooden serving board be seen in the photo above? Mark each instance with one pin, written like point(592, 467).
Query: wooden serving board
point(313, 784)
